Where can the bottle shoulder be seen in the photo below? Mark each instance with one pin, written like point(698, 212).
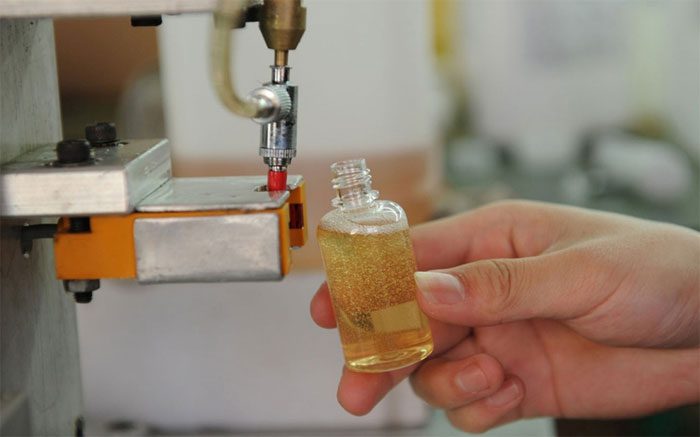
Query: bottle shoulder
point(384, 216)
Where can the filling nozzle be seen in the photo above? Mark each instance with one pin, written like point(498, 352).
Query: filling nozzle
point(274, 105)
point(282, 23)
point(278, 142)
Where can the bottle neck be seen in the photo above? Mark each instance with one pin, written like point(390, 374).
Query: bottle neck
point(353, 185)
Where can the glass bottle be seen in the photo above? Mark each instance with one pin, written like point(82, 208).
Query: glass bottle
point(369, 263)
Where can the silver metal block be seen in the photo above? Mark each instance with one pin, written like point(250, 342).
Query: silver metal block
point(95, 8)
point(118, 179)
point(207, 194)
point(243, 247)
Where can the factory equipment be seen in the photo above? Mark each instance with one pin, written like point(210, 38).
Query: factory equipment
point(120, 212)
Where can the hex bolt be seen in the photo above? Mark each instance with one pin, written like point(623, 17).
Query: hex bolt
point(72, 151)
point(81, 288)
point(101, 134)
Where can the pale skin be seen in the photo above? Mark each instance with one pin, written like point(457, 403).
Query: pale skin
point(543, 310)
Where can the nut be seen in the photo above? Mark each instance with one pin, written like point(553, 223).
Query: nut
point(72, 151)
point(81, 285)
point(100, 134)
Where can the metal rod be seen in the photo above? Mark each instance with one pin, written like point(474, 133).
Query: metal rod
point(281, 57)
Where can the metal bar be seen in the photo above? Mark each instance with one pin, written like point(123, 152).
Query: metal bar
point(96, 8)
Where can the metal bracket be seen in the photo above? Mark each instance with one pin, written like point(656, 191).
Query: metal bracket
point(114, 181)
point(29, 233)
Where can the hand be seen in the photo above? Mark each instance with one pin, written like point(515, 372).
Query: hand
point(545, 310)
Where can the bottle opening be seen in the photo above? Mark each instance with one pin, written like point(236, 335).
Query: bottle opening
point(353, 184)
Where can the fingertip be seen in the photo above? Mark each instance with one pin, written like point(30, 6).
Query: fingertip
point(358, 393)
point(321, 308)
point(492, 368)
point(499, 408)
point(450, 383)
point(508, 396)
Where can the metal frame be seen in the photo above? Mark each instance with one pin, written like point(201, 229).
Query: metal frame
point(95, 8)
point(113, 182)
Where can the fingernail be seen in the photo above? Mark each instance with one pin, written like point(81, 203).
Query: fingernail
point(471, 379)
point(439, 288)
point(507, 394)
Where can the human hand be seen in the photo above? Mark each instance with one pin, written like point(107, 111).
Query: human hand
point(545, 310)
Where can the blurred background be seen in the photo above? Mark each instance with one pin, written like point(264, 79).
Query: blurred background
point(454, 104)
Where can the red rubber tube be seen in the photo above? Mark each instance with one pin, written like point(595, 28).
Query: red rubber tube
point(276, 180)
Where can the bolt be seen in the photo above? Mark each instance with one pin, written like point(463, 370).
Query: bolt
point(72, 151)
point(101, 134)
point(83, 297)
point(81, 288)
point(79, 224)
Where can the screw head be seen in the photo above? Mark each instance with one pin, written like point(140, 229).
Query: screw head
point(101, 133)
point(72, 151)
point(83, 297)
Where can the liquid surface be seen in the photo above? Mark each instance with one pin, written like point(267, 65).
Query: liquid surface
point(373, 290)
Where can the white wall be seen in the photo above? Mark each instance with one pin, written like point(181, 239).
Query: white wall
point(241, 356)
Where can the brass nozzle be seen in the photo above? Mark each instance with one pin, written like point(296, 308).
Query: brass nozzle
point(282, 23)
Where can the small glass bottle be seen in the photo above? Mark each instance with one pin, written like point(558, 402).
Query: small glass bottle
point(369, 263)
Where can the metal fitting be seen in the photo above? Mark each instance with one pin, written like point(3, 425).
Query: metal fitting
point(81, 288)
point(278, 101)
point(29, 233)
point(251, 14)
point(81, 285)
point(282, 23)
point(280, 74)
point(278, 139)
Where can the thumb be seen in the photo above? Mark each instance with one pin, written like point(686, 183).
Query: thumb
point(490, 292)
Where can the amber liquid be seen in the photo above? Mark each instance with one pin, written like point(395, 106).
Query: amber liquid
point(374, 297)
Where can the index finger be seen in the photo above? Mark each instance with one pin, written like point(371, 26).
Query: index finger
point(509, 229)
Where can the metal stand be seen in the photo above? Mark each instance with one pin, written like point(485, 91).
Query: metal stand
point(39, 363)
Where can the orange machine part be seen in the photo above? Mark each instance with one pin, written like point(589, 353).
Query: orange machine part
point(108, 250)
point(298, 226)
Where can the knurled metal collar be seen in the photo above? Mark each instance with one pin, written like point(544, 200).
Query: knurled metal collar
point(277, 153)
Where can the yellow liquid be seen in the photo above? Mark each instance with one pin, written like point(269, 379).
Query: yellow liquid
point(374, 297)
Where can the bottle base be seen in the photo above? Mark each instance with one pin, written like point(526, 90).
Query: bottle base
point(390, 361)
